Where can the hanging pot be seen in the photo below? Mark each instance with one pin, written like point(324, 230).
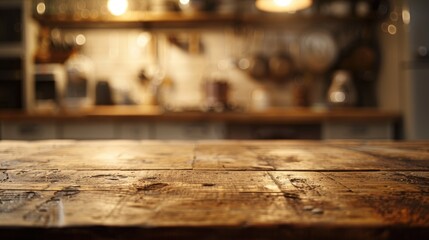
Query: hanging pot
point(318, 51)
point(258, 62)
point(258, 66)
point(281, 65)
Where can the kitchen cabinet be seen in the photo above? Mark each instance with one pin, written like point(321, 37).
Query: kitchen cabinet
point(150, 123)
point(273, 131)
point(16, 45)
point(88, 130)
point(194, 130)
point(12, 54)
point(28, 130)
point(79, 131)
point(325, 130)
point(189, 131)
point(91, 130)
point(134, 130)
point(339, 130)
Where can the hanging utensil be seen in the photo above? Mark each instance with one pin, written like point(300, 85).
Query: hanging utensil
point(281, 65)
point(258, 64)
point(363, 54)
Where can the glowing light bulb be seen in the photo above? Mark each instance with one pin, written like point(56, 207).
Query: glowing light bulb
point(338, 97)
point(41, 8)
point(391, 29)
point(406, 17)
point(184, 2)
point(283, 3)
point(117, 7)
point(80, 39)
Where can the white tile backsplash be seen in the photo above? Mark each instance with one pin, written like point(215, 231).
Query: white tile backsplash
point(119, 55)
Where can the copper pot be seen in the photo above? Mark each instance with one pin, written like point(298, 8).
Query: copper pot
point(281, 66)
point(217, 95)
point(258, 66)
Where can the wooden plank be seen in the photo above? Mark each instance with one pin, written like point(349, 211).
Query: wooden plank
point(336, 199)
point(99, 155)
point(186, 198)
point(13, 152)
point(140, 187)
point(72, 207)
point(309, 155)
point(411, 145)
point(362, 197)
point(240, 155)
point(132, 181)
point(400, 156)
point(400, 198)
point(322, 157)
point(66, 207)
point(224, 209)
point(147, 198)
point(309, 201)
point(229, 157)
point(234, 155)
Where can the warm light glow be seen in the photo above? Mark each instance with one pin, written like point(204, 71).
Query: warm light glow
point(184, 2)
point(117, 7)
point(143, 39)
point(41, 8)
point(338, 97)
point(391, 29)
point(283, 5)
point(394, 16)
point(406, 16)
point(80, 39)
point(244, 64)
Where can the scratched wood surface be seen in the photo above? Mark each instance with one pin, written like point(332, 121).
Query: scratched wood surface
point(214, 190)
point(311, 155)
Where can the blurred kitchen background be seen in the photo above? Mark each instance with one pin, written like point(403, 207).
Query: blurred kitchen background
point(214, 69)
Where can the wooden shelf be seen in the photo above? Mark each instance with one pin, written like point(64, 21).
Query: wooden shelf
point(177, 19)
point(140, 19)
point(273, 115)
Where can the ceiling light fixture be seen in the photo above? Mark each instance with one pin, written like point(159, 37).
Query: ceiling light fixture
point(283, 5)
point(117, 7)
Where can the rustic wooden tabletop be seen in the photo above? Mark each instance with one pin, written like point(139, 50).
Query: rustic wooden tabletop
point(214, 190)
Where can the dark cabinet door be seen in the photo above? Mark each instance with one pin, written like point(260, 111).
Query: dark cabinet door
point(10, 25)
point(11, 83)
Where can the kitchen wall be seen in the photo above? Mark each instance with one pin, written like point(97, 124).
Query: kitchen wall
point(120, 54)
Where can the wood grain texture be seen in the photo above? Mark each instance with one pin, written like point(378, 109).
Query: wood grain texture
point(214, 190)
point(97, 155)
point(311, 155)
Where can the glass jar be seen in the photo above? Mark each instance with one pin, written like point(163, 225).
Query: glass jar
point(78, 93)
point(216, 90)
point(342, 92)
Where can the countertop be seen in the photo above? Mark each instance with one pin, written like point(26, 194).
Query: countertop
point(277, 115)
point(63, 189)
